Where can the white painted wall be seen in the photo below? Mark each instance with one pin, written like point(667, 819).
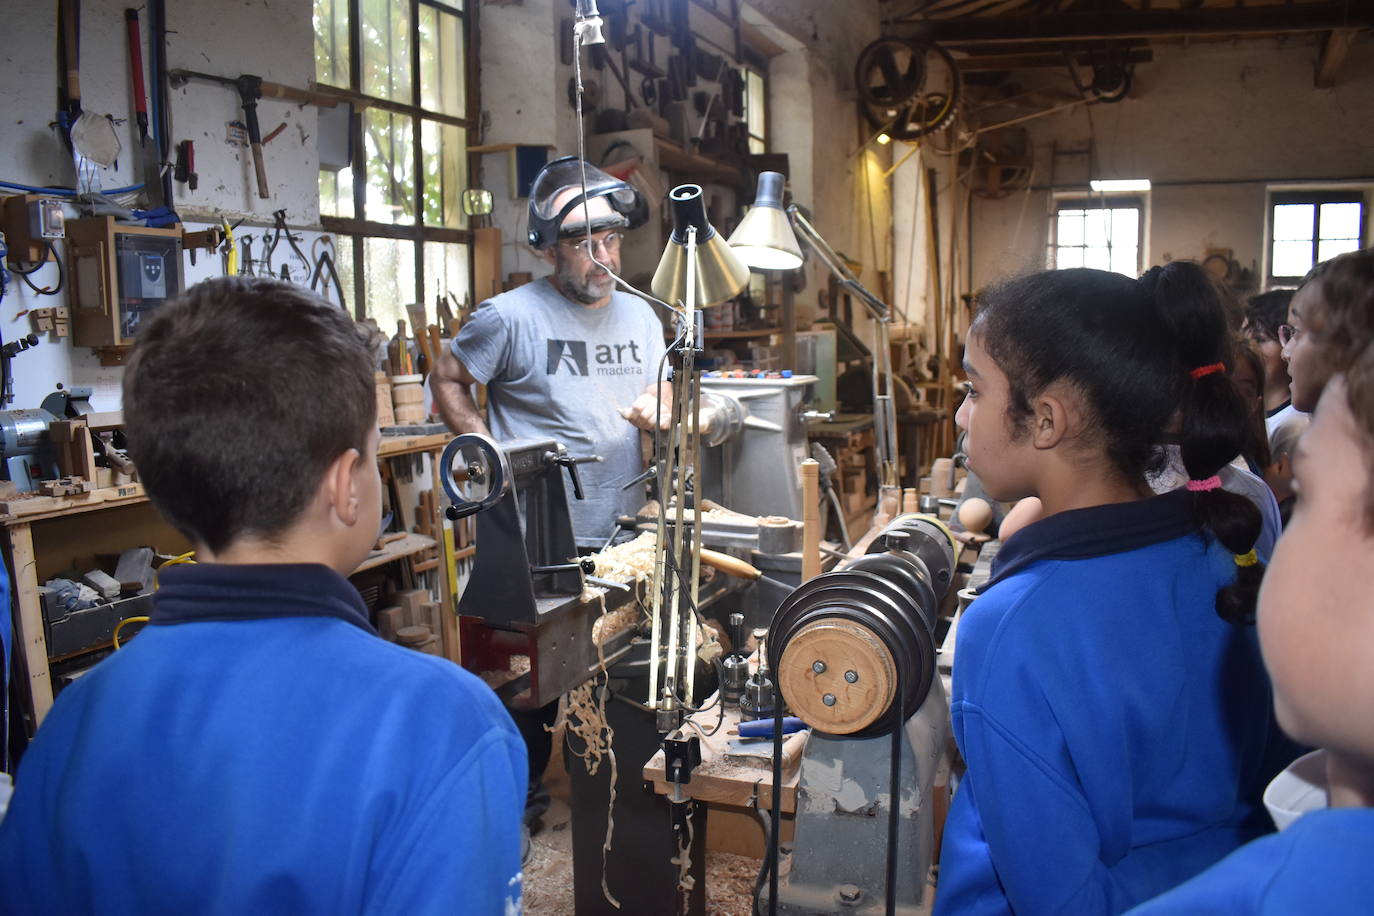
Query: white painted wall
point(1213, 126)
point(270, 38)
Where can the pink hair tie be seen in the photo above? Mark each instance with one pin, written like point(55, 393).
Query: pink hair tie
point(1202, 371)
point(1205, 484)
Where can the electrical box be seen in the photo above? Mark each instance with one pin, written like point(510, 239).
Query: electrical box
point(30, 224)
point(119, 275)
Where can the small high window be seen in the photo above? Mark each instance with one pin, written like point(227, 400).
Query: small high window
point(1306, 228)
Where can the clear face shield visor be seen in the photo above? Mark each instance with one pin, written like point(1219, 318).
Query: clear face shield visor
point(556, 196)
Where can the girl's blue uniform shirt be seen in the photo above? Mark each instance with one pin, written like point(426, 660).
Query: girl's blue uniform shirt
point(1118, 733)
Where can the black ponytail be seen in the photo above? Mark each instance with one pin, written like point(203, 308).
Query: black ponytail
point(1129, 346)
point(1211, 419)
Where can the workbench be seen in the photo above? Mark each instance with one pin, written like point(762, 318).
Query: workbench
point(43, 533)
point(725, 776)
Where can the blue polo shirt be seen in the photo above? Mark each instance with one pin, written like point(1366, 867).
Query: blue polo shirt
point(1118, 733)
point(1320, 864)
point(258, 749)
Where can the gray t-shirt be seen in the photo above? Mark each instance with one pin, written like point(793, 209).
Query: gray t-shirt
point(559, 370)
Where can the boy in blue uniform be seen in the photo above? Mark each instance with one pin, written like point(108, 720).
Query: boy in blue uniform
point(257, 748)
point(1316, 623)
point(1108, 696)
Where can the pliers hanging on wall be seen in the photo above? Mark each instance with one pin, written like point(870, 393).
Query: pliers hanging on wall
point(325, 272)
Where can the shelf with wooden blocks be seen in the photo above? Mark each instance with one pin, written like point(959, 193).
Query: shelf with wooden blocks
point(407, 545)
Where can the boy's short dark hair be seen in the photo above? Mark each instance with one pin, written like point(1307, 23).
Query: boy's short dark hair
point(237, 397)
point(1269, 310)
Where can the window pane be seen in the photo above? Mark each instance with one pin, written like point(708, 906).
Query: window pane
point(343, 263)
point(336, 193)
point(1070, 230)
point(444, 153)
point(1125, 227)
point(1329, 248)
point(389, 275)
point(1292, 222)
point(386, 49)
point(446, 272)
point(1340, 221)
point(1097, 258)
point(754, 106)
point(441, 62)
point(1068, 257)
point(1125, 260)
point(331, 42)
point(1291, 259)
point(390, 168)
point(1095, 223)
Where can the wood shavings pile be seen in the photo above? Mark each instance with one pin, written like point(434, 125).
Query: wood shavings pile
point(608, 625)
point(585, 718)
point(519, 665)
point(632, 561)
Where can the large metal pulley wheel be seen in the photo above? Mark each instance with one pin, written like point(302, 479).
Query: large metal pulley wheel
point(909, 88)
point(475, 474)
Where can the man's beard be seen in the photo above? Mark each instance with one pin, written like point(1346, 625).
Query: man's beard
point(571, 284)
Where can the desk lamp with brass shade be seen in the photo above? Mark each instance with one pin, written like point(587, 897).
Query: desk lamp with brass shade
point(765, 240)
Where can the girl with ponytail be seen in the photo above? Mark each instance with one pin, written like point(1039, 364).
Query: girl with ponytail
point(1109, 698)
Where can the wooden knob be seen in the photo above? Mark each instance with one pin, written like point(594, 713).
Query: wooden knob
point(975, 514)
point(837, 676)
point(1026, 512)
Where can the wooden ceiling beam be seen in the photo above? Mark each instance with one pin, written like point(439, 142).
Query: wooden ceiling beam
point(1288, 18)
point(1044, 60)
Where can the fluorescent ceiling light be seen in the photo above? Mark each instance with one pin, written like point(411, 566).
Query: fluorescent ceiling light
point(1120, 184)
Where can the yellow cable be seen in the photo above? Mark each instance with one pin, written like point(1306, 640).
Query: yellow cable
point(178, 560)
point(120, 626)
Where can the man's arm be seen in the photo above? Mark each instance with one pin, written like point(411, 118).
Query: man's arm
point(452, 385)
point(645, 412)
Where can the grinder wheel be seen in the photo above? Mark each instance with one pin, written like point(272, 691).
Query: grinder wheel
point(842, 662)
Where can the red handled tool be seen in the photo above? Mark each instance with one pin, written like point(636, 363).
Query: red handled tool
point(152, 157)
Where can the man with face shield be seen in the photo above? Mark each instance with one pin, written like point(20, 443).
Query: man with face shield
point(567, 358)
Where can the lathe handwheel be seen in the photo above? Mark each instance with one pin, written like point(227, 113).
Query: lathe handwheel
point(837, 676)
point(475, 474)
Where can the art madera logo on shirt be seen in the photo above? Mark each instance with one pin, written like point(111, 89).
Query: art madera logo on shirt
point(570, 356)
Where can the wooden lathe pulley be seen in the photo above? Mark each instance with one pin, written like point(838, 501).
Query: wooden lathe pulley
point(853, 649)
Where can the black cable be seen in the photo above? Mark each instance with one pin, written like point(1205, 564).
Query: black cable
point(774, 850)
point(894, 796)
point(765, 866)
point(44, 290)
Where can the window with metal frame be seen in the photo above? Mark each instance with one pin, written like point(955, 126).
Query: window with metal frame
point(396, 211)
point(756, 110)
point(1100, 232)
point(1308, 227)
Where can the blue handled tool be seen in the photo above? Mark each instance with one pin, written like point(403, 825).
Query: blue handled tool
point(763, 728)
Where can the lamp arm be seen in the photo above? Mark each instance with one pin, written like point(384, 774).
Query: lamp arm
point(884, 412)
point(876, 307)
